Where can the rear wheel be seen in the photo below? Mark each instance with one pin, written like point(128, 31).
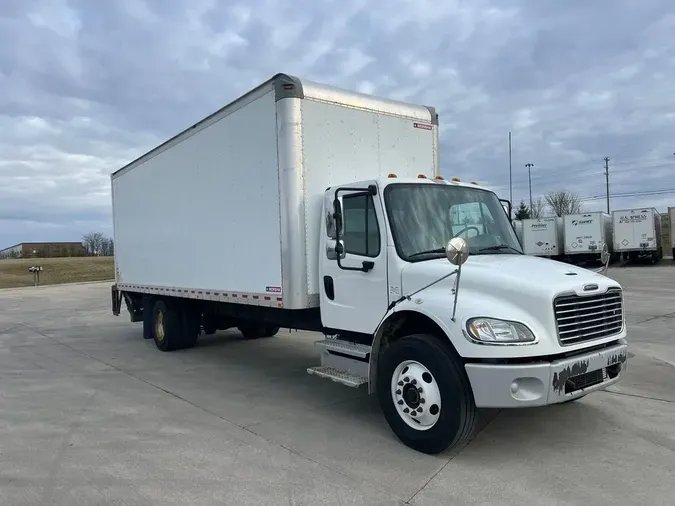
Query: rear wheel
point(256, 331)
point(172, 326)
point(425, 394)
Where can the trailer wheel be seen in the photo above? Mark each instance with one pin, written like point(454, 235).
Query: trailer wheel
point(167, 326)
point(425, 394)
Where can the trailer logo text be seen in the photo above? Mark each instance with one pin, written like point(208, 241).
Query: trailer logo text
point(635, 218)
point(581, 222)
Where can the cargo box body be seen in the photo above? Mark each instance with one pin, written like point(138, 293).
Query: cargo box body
point(636, 230)
point(585, 233)
point(543, 236)
point(671, 224)
point(229, 209)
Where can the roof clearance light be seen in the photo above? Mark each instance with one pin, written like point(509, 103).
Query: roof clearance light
point(391, 174)
point(456, 179)
point(421, 176)
point(440, 178)
point(473, 182)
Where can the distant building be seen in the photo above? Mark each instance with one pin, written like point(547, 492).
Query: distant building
point(44, 250)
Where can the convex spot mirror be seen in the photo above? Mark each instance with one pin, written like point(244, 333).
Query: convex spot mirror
point(457, 251)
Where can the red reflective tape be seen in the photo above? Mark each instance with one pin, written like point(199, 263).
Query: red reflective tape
point(245, 296)
point(279, 299)
point(268, 298)
point(234, 295)
point(207, 293)
point(256, 297)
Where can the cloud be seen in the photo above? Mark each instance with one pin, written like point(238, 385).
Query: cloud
point(88, 86)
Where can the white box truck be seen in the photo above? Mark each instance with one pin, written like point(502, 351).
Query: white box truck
point(585, 234)
point(671, 222)
point(305, 206)
point(637, 233)
point(543, 236)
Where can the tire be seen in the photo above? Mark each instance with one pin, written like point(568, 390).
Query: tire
point(271, 331)
point(256, 331)
point(167, 326)
point(191, 327)
point(422, 358)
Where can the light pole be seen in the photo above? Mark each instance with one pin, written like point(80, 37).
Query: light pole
point(529, 178)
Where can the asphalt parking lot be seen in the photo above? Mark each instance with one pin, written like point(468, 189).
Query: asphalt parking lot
point(90, 413)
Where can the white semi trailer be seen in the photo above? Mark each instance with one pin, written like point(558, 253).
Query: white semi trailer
point(586, 234)
point(543, 236)
point(305, 206)
point(637, 233)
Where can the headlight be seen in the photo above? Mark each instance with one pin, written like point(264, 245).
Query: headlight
point(490, 330)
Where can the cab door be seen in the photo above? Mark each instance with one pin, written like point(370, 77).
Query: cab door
point(353, 284)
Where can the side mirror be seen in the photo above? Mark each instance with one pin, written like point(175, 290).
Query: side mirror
point(337, 215)
point(457, 251)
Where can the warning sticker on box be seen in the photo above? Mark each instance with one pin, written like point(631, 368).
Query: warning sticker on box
point(273, 289)
point(423, 126)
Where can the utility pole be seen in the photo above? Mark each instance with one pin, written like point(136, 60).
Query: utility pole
point(529, 177)
point(511, 173)
point(607, 180)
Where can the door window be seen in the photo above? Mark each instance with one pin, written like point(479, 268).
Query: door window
point(361, 233)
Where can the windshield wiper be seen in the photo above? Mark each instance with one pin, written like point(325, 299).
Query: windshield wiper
point(427, 252)
point(500, 247)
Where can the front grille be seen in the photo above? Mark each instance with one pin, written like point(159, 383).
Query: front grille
point(582, 318)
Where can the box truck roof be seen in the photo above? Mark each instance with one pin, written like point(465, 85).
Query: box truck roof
point(287, 86)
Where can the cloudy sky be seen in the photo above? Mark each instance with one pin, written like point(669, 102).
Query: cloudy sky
point(88, 85)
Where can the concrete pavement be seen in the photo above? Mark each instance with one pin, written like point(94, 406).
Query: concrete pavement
point(90, 413)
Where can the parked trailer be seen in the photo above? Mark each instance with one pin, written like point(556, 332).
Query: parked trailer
point(304, 206)
point(585, 234)
point(543, 236)
point(671, 220)
point(637, 233)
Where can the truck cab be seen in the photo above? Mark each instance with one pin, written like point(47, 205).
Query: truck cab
point(437, 339)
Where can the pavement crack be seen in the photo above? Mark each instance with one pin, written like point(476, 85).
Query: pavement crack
point(656, 317)
point(451, 458)
point(613, 392)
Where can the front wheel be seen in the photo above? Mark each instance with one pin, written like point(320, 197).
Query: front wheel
point(425, 394)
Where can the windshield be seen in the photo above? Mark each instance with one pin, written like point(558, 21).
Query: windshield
point(424, 217)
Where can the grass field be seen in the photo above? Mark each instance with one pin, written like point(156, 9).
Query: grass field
point(14, 273)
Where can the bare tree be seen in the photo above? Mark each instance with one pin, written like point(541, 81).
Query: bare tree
point(107, 247)
point(93, 242)
point(564, 202)
point(538, 208)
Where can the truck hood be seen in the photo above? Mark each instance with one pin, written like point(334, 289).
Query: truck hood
point(505, 273)
point(505, 286)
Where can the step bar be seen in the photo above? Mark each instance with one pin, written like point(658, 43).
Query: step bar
point(343, 362)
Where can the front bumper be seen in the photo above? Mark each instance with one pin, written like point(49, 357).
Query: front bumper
point(543, 383)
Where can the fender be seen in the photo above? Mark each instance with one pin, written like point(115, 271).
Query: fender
point(395, 319)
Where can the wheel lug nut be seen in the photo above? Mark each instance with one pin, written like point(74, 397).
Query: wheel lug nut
point(419, 408)
point(406, 379)
point(422, 401)
point(406, 410)
point(420, 390)
point(414, 413)
point(400, 383)
point(398, 392)
point(414, 382)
